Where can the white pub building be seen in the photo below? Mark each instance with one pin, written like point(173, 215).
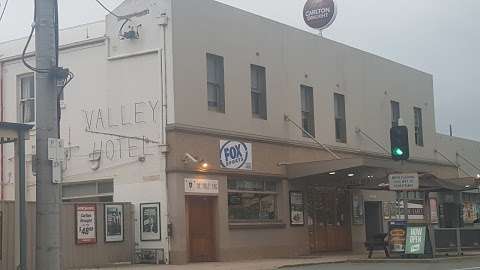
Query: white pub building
point(204, 108)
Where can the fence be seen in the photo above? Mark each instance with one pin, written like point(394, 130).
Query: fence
point(457, 240)
point(74, 256)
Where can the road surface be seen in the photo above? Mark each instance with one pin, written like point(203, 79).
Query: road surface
point(468, 264)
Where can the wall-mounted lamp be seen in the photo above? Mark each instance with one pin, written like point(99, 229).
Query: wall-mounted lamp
point(190, 159)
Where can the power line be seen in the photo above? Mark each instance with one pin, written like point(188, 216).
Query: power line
point(107, 9)
point(24, 52)
point(3, 11)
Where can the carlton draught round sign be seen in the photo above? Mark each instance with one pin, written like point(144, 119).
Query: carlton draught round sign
point(319, 14)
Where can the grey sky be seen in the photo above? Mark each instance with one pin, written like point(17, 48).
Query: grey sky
point(441, 37)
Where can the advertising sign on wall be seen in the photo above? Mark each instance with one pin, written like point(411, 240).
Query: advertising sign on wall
point(434, 218)
point(150, 222)
point(86, 219)
point(415, 243)
point(113, 223)
point(397, 236)
point(235, 155)
point(469, 212)
point(202, 186)
point(416, 211)
point(297, 207)
point(319, 14)
point(357, 209)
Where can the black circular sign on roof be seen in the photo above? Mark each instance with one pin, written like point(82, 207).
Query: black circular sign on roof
point(319, 14)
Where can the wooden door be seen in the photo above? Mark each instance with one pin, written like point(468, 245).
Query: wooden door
point(330, 229)
point(201, 229)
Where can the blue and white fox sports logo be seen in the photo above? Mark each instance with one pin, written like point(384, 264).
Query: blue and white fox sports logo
point(235, 155)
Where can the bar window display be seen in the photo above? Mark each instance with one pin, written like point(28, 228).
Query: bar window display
point(252, 201)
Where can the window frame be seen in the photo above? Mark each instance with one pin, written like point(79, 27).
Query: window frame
point(259, 90)
point(307, 114)
point(275, 194)
point(394, 108)
point(418, 126)
point(219, 86)
point(22, 101)
point(339, 120)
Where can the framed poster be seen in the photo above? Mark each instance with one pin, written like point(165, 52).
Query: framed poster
point(150, 222)
point(357, 209)
point(113, 223)
point(1, 234)
point(297, 208)
point(86, 223)
point(434, 217)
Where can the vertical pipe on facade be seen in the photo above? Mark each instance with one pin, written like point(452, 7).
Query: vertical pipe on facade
point(163, 68)
point(2, 192)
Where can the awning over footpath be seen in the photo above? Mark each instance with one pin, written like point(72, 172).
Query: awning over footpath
point(372, 174)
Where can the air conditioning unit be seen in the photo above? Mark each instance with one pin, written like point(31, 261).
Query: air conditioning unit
point(149, 256)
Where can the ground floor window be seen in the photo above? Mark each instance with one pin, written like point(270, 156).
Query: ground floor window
point(252, 200)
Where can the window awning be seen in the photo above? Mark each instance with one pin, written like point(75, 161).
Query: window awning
point(306, 169)
point(372, 174)
point(9, 131)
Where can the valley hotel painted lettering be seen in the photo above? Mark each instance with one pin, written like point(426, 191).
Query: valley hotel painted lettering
point(126, 120)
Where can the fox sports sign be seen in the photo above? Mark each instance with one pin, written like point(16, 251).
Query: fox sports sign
point(235, 155)
point(319, 14)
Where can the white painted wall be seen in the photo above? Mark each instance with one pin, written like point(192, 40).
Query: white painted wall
point(117, 90)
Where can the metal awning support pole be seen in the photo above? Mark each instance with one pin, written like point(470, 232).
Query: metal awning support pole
point(460, 224)
point(468, 161)
point(431, 233)
point(360, 131)
point(23, 201)
point(287, 118)
point(453, 163)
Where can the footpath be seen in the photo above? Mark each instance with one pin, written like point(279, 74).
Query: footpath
point(275, 264)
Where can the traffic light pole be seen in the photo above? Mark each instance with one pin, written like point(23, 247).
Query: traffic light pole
point(48, 239)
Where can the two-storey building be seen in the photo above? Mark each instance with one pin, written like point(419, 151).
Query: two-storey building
point(254, 137)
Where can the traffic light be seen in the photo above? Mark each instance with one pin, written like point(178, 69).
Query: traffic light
point(400, 148)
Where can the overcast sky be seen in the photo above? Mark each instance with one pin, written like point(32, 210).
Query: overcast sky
point(441, 37)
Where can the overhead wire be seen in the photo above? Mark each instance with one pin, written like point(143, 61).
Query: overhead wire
point(3, 10)
point(29, 39)
point(120, 18)
point(108, 10)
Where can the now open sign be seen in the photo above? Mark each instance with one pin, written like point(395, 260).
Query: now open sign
point(235, 155)
point(415, 243)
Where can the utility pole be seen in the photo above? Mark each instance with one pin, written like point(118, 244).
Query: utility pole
point(48, 239)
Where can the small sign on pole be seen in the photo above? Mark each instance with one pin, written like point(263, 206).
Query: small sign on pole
point(404, 182)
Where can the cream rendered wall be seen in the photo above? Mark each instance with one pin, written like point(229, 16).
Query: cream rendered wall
point(468, 151)
point(291, 57)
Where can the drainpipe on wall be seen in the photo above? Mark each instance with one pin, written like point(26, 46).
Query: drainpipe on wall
point(2, 173)
point(163, 22)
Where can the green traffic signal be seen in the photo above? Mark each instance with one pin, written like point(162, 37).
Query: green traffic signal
point(399, 143)
point(398, 152)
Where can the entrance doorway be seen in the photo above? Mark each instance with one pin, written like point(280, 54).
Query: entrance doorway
point(373, 219)
point(329, 214)
point(201, 228)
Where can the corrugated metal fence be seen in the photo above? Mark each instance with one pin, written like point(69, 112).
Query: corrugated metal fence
point(74, 256)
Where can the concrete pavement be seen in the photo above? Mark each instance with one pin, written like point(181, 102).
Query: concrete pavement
point(264, 264)
point(326, 262)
